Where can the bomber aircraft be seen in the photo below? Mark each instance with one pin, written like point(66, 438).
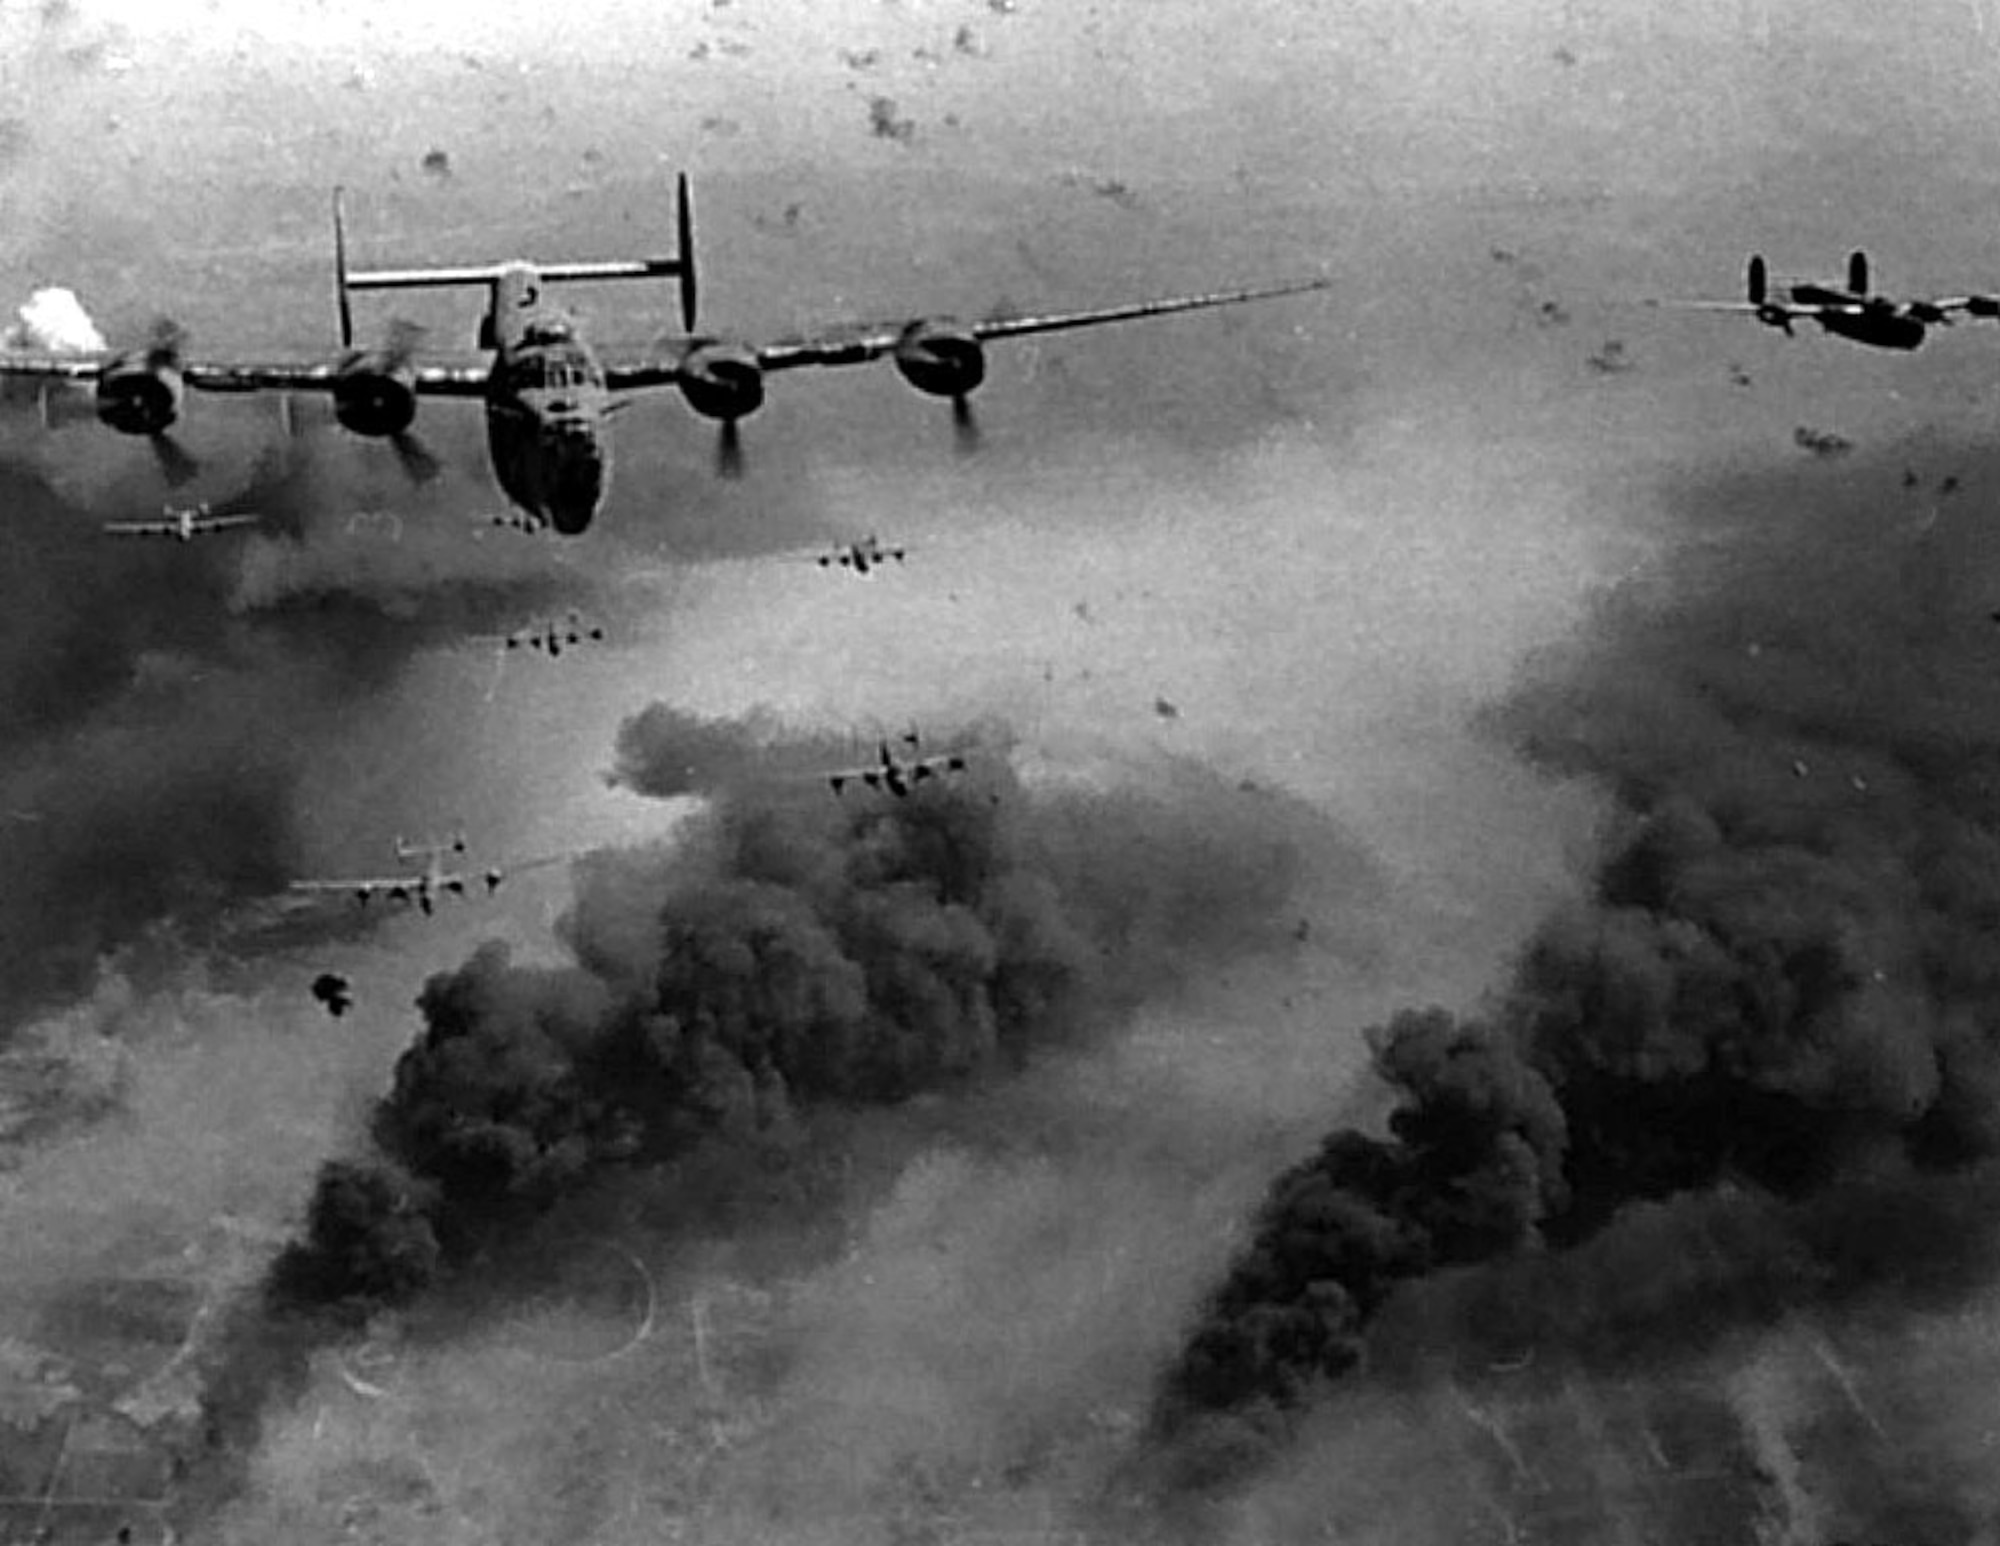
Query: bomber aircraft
point(183, 524)
point(549, 398)
point(898, 775)
point(549, 636)
point(1852, 313)
point(862, 557)
point(424, 884)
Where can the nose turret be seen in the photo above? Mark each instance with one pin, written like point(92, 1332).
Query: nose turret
point(576, 475)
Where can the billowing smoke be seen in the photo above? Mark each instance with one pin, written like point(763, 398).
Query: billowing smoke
point(1726, 1085)
point(664, 751)
point(52, 321)
point(789, 952)
point(161, 703)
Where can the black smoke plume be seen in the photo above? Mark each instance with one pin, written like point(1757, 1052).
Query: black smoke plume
point(161, 702)
point(793, 950)
point(1780, 990)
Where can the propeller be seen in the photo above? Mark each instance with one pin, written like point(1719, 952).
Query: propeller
point(729, 451)
point(964, 427)
point(418, 462)
point(415, 458)
point(163, 348)
point(166, 340)
point(177, 464)
point(405, 338)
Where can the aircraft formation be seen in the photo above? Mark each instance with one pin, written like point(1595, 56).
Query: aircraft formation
point(549, 397)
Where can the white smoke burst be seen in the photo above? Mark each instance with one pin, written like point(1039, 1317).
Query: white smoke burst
point(53, 321)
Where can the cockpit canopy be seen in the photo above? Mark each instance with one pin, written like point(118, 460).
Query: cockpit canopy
point(558, 371)
point(547, 330)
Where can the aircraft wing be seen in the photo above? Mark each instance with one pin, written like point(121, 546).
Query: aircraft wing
point(224, 522)
point(853, 346)
point(464, 380)
point(1973, 305)
point(52, 367)
point(522, 866)
point(1768, 308)
point(858, 343)
point(367, 886)
point(142, 528)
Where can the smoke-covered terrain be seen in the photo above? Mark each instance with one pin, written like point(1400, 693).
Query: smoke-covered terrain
point(1741, 1096)
point(791, 954)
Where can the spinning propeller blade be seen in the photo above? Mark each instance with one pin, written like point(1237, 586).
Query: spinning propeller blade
point(964, 427)
point(177, 464)
point(415, 458)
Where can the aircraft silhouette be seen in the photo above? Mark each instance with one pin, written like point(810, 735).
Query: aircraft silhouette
point(898, 775)
point(548, 398)
point(549, 637)
point(1852, 313)
point(183, 524)
point(861, 557)
point(424, 885)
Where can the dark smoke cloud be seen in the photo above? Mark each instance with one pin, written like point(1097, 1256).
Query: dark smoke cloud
point(792, 951)
point(160, 702)
point(664, 751)
point(1771, 1020)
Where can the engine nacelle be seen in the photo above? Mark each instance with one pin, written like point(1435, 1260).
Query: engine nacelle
point(722, 381)
point(140, 394)
point(940, 358)
point(375, 396)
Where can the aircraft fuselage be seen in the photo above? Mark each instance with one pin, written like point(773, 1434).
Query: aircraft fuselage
point(547, 407)
point(1880, 322)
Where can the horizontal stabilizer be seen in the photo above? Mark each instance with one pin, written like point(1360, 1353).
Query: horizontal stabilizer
point(679, 266)
point(488, 273)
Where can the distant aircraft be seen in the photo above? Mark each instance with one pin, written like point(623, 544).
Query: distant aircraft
point(184, 524)
point(860, 556)
point(550, 637)
point(1852, 313)
point(898, 775)
point(423, 885)
point(549, 400)
point(1821, 442)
